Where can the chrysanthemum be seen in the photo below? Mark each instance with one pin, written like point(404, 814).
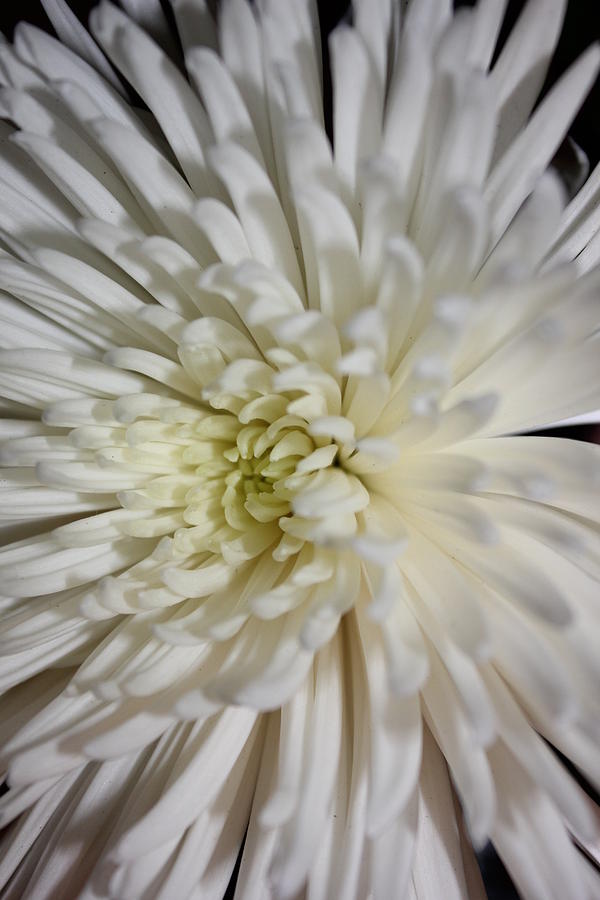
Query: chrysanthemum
point(280, 565)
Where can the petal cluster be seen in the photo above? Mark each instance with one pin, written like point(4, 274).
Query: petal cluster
point(280, 559)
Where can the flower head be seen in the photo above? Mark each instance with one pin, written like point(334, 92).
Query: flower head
point(281, 562)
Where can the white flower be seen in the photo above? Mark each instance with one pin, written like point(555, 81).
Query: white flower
point(281, 563)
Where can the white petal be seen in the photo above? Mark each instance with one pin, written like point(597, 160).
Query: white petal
point(357, 102)
point(437, 857)
point(513, 177)
point(73, 35)
point(520, 70)
point(258, 209)
point(159, 83)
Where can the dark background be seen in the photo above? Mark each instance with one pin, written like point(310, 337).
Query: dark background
point(581, 28)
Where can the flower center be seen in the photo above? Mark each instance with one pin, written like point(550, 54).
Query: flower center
point(262, 480)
